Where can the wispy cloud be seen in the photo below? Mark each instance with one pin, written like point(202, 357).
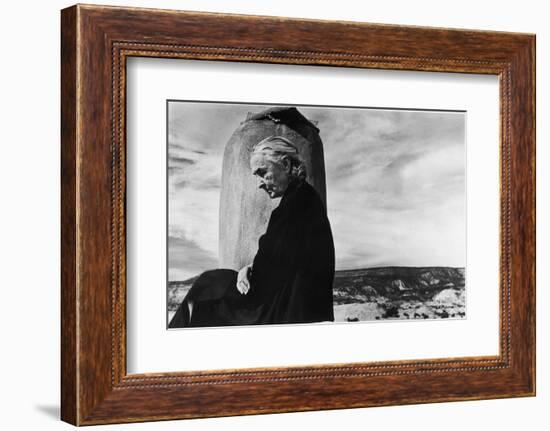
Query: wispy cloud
point(395, 185)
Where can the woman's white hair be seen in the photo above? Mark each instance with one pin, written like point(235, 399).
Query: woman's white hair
point(275, 148)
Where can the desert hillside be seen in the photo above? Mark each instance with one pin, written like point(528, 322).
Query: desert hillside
point(399, 293)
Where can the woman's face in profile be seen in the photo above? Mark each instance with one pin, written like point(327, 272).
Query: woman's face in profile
point(272, 177)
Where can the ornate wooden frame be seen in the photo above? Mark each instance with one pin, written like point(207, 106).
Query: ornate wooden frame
point(95, 43)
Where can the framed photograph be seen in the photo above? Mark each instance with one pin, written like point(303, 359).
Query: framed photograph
point(325, 214)
point(364, 169)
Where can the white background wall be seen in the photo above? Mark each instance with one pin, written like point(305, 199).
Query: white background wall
point(29, 219)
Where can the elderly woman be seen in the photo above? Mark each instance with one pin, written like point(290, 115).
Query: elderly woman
point(291, 277)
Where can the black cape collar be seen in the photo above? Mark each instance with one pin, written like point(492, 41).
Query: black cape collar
point(291, 189)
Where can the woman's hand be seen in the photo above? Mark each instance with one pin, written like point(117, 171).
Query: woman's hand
point(243, 279)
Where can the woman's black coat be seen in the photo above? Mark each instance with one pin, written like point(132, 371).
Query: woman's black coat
point(292, 273)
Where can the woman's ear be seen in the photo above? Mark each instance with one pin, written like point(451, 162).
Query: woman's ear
point(287, 164)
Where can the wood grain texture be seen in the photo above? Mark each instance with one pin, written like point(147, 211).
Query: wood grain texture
point(96, 41)
point(69, 331)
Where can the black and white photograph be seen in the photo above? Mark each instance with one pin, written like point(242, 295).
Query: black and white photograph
point(289, 214)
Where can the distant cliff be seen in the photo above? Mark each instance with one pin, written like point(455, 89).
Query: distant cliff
point(399, 292)
point(396, 283)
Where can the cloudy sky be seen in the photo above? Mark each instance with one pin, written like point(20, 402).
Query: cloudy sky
point(395, 184)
